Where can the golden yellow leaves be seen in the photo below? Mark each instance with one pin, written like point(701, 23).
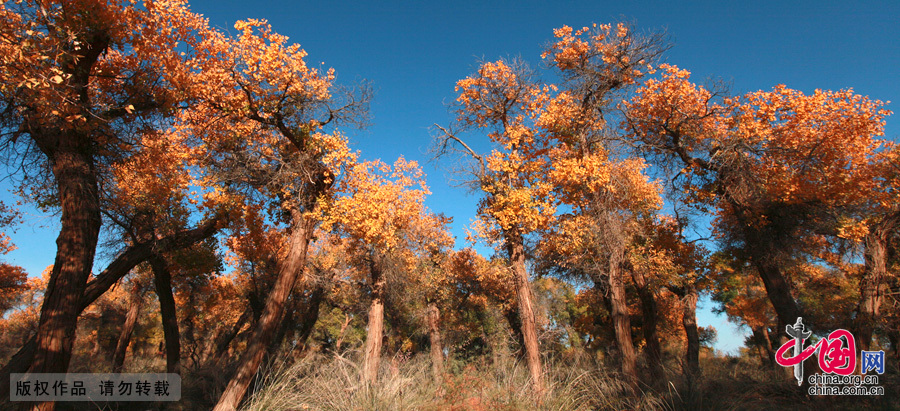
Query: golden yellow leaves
point(502, 98)
point(686, 107)
point(382, 208)
point(814, 146)
point(599, 47)
point(542, 159)
point(799, 147)
point(569, 50)
point(565, 118)
point(852, 229)
point(571, 242)
point(501, 94)
point(333, 151)
point(521, 209)
point(253, 239)
point(481, 282)
point(265, 58)
point(154, 177)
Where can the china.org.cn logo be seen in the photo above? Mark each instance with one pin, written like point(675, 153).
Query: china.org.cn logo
point(837, 360)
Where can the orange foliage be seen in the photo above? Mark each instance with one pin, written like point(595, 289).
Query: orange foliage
point(12, 278)
point(381, 210)
point(797, 148)
point(501, 98)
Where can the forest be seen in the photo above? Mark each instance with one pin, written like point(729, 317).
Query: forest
point(216, 222)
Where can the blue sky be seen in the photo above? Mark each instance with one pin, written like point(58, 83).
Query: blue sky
point(414, 52)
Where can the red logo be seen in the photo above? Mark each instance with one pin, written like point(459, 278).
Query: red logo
point(834, 357)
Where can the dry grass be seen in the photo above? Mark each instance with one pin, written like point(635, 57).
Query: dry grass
point(320, 382)
point(501, 383)
point(333, 383)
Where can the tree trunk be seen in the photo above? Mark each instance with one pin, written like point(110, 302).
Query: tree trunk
point(285, 330)
point(17, 364)
point(437, 349)
point(163, 282)
point(526, 313)
point(778, 290)
point(770, 350)
point(187, 331)
point(340, 340)
point(288, 271)
point(620, 317)
point(225, 339)
point(761, 335)
point(311, 313)
point(70, 155)
point(375, 331)
point(131, 318)
point(76, 244)
point(689, 322)
point(870, 288)
point(649, 317)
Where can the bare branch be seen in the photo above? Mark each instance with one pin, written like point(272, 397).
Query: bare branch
point(450, 136)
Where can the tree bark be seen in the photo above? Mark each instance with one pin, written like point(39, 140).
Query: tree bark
point(134, 308)
point(187, 331)
point(76, 244)
point(526, 313)
point(375, 331)
point(689, 322)
point(649, 316)
point(870, 288)
point(437, 349)
point(288, 271)
point(71, 160)
point(778, 290)
point(162, 280)
point(620, 317)
point(124, 262)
